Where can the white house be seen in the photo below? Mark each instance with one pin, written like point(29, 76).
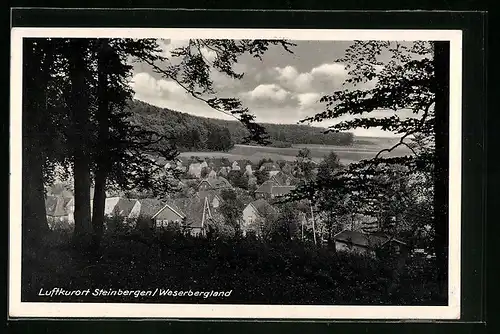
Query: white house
point(235, 166)
point(212, 174)
point(254, 214)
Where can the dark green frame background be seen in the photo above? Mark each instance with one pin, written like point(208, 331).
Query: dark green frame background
point(473, 149)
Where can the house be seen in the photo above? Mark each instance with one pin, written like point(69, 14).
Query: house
point(148, 208)
point(269, 166)
point(272, 189)
point(214, 183)
point(273, 173)
point(201, 214)
point(169, 213)
point(248, 170)
point(56, 209)
point(280, 178)
point(176, 165)
point(128, 209)
point(367, 243)
point(212, 174)
point(252, 182)
point(254, 214)
point(214, 200)
point(62, 189)
point(264, 189)
point(196, 168)
point(278, 191)
point(70, 209)
point(109, 205)
point(223, 171)
point(235, 166)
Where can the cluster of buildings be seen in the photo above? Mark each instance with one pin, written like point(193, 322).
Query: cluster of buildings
point(193, 212)
point(196, 212)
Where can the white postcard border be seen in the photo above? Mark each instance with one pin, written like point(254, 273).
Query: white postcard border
point(134, 310)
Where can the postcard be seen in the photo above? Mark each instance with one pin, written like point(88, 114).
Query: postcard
point(235, 173)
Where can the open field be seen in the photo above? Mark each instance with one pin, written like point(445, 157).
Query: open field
point(363, 148)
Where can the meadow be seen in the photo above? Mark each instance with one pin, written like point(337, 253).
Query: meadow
point(363, 148)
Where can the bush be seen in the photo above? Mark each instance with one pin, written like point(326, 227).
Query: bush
point(288, 272)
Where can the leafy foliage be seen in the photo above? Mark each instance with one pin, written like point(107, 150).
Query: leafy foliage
point(406, 82)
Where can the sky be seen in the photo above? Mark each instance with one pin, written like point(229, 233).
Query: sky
point(282, 88)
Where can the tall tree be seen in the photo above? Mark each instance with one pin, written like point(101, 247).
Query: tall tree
point(79, 108)
point(303, 165)
point(328, 166)
point(38, 57)
point(104, 53)
point(90, 94)
point(414, 80)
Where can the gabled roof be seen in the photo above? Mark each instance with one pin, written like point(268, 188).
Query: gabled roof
point(262, 207)
point(150, 206)
point(124, 206)
point(56, 206)
point(367, 240)
point(217, 182)
point(170, 205)
point(281, 190)
point(266, 187)
point(279, 177)
point(269, 166)
point(273, 173)
point(195, 213)
point(194, 208)
point(209, 194)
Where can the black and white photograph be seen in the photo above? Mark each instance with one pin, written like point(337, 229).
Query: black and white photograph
point(198, 173)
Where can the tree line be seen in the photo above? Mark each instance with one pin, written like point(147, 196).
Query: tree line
point(193, 133)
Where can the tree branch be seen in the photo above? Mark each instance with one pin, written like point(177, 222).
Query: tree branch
point(190, 92)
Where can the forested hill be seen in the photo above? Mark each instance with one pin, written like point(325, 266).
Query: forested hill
point(194, 133)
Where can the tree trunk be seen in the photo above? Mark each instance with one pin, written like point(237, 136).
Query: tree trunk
point(102, 159)
point(34, 216)
point(442, 72)
point(35, 82)
point(79, 111)
point(313, 223)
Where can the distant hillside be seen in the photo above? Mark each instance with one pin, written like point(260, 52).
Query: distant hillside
point(194, 133)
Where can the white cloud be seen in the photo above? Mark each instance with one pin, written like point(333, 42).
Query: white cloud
point(308, 100)
point(145, 85)
point(209, 55)
point(324, 77)
point(334, 70)
point(168, 46)
point(222, 81)
point(292, 79)
point(287, 73)
point(268, 92)
point(303, 82)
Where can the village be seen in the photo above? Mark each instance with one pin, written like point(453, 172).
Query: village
point(196, 206)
